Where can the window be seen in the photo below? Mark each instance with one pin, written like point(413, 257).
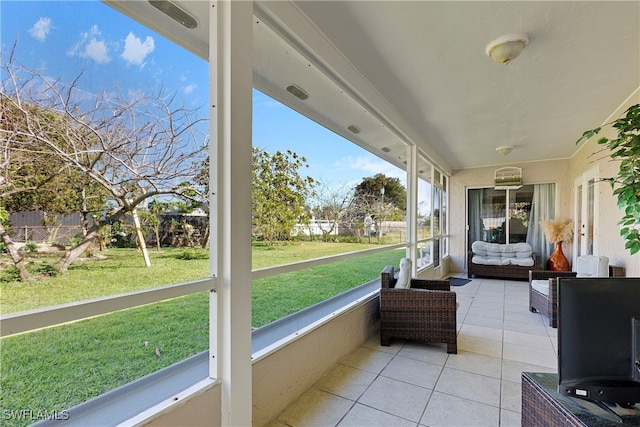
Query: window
point(109, 72)
point(339, 220)
point(511, 216)
point(499, 216)
point(432, 215)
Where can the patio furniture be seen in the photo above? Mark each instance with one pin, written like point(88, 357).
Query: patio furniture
point(425, 312)
point(511, 261)
point(543, 293)
point(543, 284)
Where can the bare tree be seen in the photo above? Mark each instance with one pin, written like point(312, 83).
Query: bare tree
point(134, 145)
point(365, 214)
point(11, 247)
point(330, 205)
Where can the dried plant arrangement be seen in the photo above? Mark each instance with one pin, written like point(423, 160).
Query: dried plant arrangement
point(558, 230)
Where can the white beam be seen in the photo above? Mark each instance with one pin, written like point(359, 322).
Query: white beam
point(412, 206)
point(231, 79)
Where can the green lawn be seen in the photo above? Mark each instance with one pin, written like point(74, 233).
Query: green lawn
point(56, 368)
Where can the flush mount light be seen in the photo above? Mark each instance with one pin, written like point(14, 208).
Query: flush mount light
point(507, 48)
point(297, 92)
point(354, 129)
point(174, 12)
point(504, 150)
point(386, 149)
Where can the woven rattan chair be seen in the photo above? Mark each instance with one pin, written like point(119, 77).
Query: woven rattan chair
point(547, 305)
point(425, 312)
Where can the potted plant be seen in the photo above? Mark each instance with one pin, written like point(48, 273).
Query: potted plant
point(626, 184)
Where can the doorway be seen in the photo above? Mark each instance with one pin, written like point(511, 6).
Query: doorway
point(585, 198)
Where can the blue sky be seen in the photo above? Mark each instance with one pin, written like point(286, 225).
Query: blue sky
point(64, 37)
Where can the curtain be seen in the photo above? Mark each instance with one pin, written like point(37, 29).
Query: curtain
point(543, 207)
point(476, 227)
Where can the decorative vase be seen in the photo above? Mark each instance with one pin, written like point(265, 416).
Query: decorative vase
point(557, 261)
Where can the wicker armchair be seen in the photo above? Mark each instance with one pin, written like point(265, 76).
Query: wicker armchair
point(425, 312)
point(546, 305)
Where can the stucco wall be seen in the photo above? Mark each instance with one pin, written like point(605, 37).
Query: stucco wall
point(564, 173)
point(607, 240)
point(551, 171)
point(201, 408)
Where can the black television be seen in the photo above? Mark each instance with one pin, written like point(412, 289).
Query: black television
point(599, 339)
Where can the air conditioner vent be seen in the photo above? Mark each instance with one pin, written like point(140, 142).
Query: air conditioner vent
point(509, 178)
point(174, 12)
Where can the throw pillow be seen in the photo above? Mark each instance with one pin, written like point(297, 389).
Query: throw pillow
point(404, 281)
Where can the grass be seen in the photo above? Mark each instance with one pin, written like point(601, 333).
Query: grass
point(117, 271)
point(275, 297)
point(56, 368)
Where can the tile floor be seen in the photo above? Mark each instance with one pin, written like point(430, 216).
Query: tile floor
point(413, 384)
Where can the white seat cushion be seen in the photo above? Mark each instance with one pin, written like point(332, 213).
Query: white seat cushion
point(404, 280)
point(502, 254)
point(592, 266)
point(541, 286)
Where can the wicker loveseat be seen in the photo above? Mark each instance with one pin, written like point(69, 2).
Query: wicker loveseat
point(511, 261)
point(424, 312)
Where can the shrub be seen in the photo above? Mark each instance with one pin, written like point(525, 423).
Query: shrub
point(47, 270)
point(31, 246)
point(9, 274)
point(193, 253)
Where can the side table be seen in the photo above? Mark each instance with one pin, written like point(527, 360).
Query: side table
point(543, 406)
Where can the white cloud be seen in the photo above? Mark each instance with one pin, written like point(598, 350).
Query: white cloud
point(190, 88)
point(135, 50)
point(91, 46)
point(41, 29)
point(372, 166)
point(96, 50)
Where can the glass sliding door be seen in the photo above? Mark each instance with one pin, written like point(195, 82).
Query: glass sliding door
point(499, 216)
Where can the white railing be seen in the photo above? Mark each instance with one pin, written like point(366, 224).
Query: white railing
point(286, 268)
point(25, 321)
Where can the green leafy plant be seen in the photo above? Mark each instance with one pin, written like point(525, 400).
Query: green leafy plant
point(626, 185)
point(31, 247)
point(193, 253)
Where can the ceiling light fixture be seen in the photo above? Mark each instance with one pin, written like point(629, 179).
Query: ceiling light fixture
point(297, 92)
point(507, 48)
point(504, 150)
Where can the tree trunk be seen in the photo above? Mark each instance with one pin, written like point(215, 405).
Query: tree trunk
point(15, 255)
point(73, 254)
point(140, 235)
point(205, 238)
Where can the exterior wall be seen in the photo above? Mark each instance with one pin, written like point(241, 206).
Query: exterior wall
point(556, 171)
point(200, 409)
point(607, 241)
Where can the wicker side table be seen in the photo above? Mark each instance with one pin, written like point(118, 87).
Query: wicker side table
point(543, 406)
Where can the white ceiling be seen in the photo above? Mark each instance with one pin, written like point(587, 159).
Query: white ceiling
point(417, 71)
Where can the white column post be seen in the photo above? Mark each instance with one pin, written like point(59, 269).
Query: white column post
point(231, 82)
point(412, 205)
